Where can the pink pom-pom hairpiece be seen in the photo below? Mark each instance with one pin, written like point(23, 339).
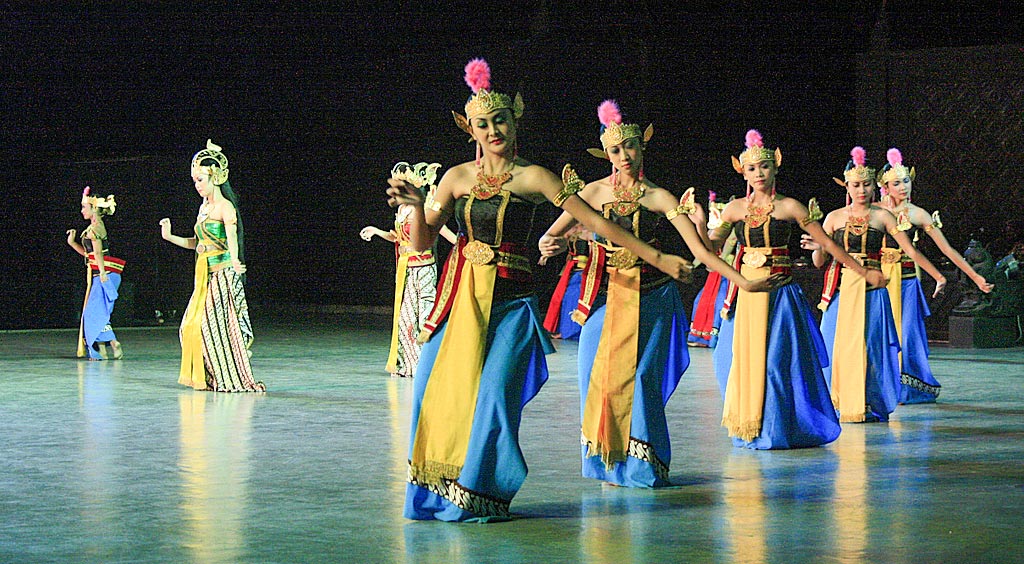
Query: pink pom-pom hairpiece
point(754, 139)
point(478, 75)
point(86, 191)
point(894, 157)
point(608, 112)
point(859, 156)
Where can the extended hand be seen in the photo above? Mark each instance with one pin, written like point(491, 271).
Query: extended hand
point(367, 232)
point(165, 227)
point(808, 243)
point(675, 266)
point(768, 284)
point(237, 266)
point(401, 192)
point(550, 246)
point(875, 278)
point(71, 236)
point(940, 285)
point(984, 285)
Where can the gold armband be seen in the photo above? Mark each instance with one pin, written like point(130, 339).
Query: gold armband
point(929, 227)
point(806, 221)
point(571, 184)
point(894, 230)
point(434, 205)
point(936, 222)
point(681, 209)
point(685, 206)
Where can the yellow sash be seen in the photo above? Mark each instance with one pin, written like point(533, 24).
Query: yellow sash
point(894, 273)
point(449, 401)
point(401, 267)
point(193, 370)
point(608, 410)
point(744, 393)
point(849, 351)
point(81, 322)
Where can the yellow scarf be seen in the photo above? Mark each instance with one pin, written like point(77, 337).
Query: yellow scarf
point(608, 410)
point(894, 274)
point(400, 270)
point(193, 369)
point(744, 394)
point(849, 351)
point(449, 401)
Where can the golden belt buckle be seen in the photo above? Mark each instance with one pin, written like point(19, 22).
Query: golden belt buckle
point(891, 256)
point(621, 259)
point(478, 252)
point(754, 258)
point(200, 248)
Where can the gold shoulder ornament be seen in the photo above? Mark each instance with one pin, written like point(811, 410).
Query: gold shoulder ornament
point(571, 184)
point(685, 207)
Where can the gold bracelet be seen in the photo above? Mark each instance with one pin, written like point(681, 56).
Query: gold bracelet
point(681, 209)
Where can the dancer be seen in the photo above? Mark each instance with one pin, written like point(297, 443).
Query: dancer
point(102, 280)
point(484, 354)
point(909, 308)
point(858, 327)
point(707, 306)
point(770, 355)
point(215, 331)
point(632, 346)
point(558, 319)
point(415, 273)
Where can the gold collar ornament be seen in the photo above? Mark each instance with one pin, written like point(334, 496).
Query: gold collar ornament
point(218, 172)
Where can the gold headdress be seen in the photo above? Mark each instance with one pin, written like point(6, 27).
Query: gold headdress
point(218, 172)
point(103, 206)
point(614, 132)
point(484, 100)
point(856, 169)
point(894, 169)
point(756, 152)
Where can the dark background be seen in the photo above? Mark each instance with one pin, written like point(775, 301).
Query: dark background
point(314, 104)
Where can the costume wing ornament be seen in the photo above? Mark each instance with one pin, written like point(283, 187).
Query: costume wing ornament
point(571, 184)
point(936, 220)
point(814, 210)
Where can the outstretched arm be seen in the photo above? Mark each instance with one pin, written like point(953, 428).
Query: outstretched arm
point(369, 231)
point(165, 232)
point(911, 251)
point(793, 210)
point(924, 221)
point(75, 244)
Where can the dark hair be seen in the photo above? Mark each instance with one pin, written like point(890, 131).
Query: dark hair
point(227, 192)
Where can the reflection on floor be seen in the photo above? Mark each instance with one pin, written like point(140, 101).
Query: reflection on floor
point(113, 461)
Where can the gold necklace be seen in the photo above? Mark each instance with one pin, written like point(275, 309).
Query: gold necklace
point(857, 225)
point(487, 186)
point(627, 199)
point(758, 215)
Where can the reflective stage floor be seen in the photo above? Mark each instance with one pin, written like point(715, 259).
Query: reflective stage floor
point(114, 462)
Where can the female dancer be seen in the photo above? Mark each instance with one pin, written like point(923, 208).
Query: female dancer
point(707, 306)
point(858, 326)
point(632, 346)
point(215, 331)
point(558, 319)
point(415, 274)
point(484, 359)
point(918, 384)
point(770, 355)
point(102, 280)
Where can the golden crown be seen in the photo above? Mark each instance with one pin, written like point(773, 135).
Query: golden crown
point(103, 206)
point(218, 172)
point(897, 172)
point(757, 154)
point(859, 172)
point(485, 102)
point(617, 133)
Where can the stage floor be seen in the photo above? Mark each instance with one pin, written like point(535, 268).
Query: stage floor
point(114, 462)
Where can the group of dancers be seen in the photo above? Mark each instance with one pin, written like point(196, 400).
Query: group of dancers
point(474, 341)
point(215, 331)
